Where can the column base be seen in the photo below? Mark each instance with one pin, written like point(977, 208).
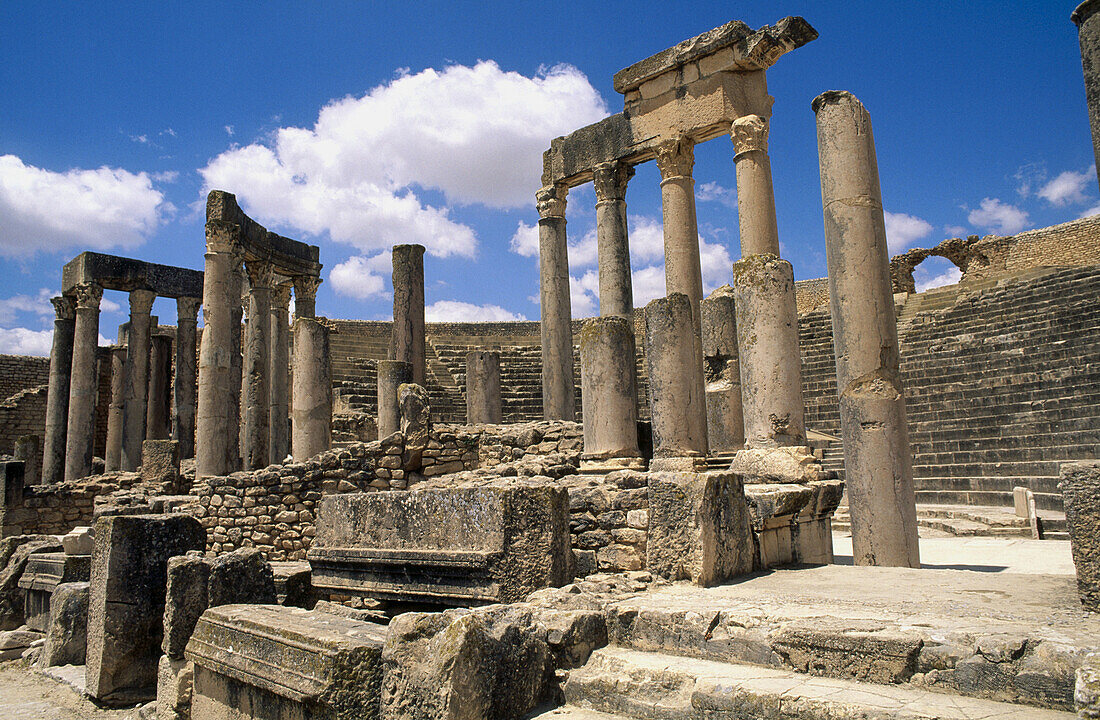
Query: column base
point(603, 466)
point(791, 464)
point(681, 463)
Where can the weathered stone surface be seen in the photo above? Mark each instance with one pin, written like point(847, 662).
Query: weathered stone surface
point(78, 541)
point(1086, 692)
point(57, 396)
point(608, 393)
point(407, 337)
point(28, 450)
point(391, 375)
point(242, 654)
point(125, 274)
point(175, 680)
point(160, 461)
point(790, 464)
point(1088, 36)
point(555, 321)
point(1080, 484)
point(311, 390)
point(126, 600)
point(483, 401)
point(293, 584)
point(698, 527)
point(416, 423)
point(676, 394)
point(43, 573)
point(14, 552)
point(11, 496)
point(14, 643)
point(67, 632)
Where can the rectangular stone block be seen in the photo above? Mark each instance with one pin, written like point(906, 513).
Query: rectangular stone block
point(160, 461)
point(699, 527)
point(28, 448)
point(11, 496)
point(287, 663)
point(67, 630)
point(43, 573)
point(175, 679)
point(462, 546)
point(1080, 484)
point(126, 601)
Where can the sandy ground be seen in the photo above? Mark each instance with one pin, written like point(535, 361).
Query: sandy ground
point(28, 695)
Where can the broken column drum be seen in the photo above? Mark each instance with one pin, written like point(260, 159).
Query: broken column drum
point(311, 390)
point(280, 373)
point(83, 383)
point(136, 388)
point(184, 384)
point(113, 455)
point(676, 398)
point(407, 342)
point(57, 396)
point(613, 248)
point(556, 322)
point(877, 455)
point(483, 402)
point(722, 372)
point(158, 421)
point(257, 367)
point(608, 394)
point(391, 375)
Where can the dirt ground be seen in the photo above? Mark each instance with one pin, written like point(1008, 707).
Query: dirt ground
point(28, 695)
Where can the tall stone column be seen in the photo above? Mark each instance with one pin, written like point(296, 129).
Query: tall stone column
point(616, 293)
point(722, 372)
point(483, 402)
point(158, 417)
point(305, 296)
point(217, 412)
point(755, 195)
point(676, 400)
point(683, 272)
point(556, 321)
point(608, 394)
point(185, 382)
point(280, 373)
point(407, 342)
point(257, 367)
point(83, 383)
point(112, 458)
point(236, 456)
point(878, 462)
point(311, 390)
point(1088, 35)
point(391, 375)
point(135, 404)
point(57, 396)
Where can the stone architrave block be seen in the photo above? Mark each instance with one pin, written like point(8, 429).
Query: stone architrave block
point(126, 601)
point(67, 632)
point(43, 573)
point(14, 554)
point(456, 546)
point(698, 527)
point(1080, 484)
point(273, 662)
point(160, 461)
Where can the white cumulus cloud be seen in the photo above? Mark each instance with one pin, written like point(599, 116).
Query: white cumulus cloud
point(903, 230)
point(359, 277)
point(102, 209)
point(998, 216)
point(947, 277)
point(457, 311)
point(1068, 187)
point(713, 192)
point(21, 341)
point(38, 305)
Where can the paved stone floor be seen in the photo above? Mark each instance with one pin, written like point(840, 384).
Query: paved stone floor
point(27, 695)
point(981, 554)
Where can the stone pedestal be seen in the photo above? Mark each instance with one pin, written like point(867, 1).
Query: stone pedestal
point(755, 196)
point(158, 419)
point(280, 373)
point(136, 389)
point(556, 322)
point(311, 390)
point(185, 382)
point(1088, 35)
point(616, 294)
point(257, 368)
point(113, 454)
point(83, 383)
point(57, 396)
point(676, 398)
point(722, 372)
point(160, 463)
point(878, 460)
point(391, 375)
point(483, 402)
point(407, 342)
point(608, 394)
point(1080, 485)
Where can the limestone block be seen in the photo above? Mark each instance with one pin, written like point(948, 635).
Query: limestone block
point(1086, 691)
point(78, 541)
point(698, 527)
point(416, 423)
point(11, 496)
point(175, 679)
point(184, 601)
point(293, 584)
point(1080, 484)
point(43, 573)
point(13, 643)
point(14, 553)
point(67, 632)
point(28, 449)
point(160, 461)
point(790, 464)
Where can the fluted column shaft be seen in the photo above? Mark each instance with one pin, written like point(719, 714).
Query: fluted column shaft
point(280, 373)
point(83, 383)
point(755, 194)
point(112, 459)
point(135, 406)
point(185, 381)
point(57, 396)
point(558, 395)
point(612, 241)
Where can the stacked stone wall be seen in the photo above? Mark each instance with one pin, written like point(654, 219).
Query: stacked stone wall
point(20, 372)
point(811, 294)
point(22, 414)
point(57, 509)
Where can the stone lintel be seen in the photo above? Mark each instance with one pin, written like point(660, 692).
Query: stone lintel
point(747, 50)
point(45, 571)
point(113, 272)
point(290, 257)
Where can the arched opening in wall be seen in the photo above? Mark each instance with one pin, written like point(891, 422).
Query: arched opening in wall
point(934, 272)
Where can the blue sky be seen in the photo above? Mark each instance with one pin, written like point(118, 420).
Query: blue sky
point(357, 125)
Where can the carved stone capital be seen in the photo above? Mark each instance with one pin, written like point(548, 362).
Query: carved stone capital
point(88, 296)
point(610, 179)
point(676, 158)
point(187, 309)
point(550, 201)
point(280, 297)
point(749, 133)
point(261, 274)
point(63, 307)
point(141, 302)
point(223, 237)
point(305, 287)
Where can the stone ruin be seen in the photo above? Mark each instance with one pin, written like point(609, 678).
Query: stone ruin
point(547, 569)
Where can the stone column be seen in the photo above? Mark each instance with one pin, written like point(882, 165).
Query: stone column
point(483, 403)
point(135, 405)
point(407, 342)
point(683, 273)
point(83, 383)
point(311, 390)
point(158, 417)
point(722, 372)
point(556, 321)
point(676, 398)
point(755, 196)
point(878, 463)
point(183, 429)
point(1088, 35)
point(280, 373)
point(57, 396)
point(391, 375)
point(616, 294)
point(305, 296)
point(217, 413)
point(608, 394)
point(257, 367)
point(112, 459)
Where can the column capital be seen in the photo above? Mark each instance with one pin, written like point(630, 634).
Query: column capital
point(141, 302)
point(610, 179)
point(223, 237)
point(305, 287)
point(749, 133)
point(550, 201)
point(676, 158)
point(187, 309)
point(88, 296)
point(261, 274)
point(280, 297)
point(63, 307)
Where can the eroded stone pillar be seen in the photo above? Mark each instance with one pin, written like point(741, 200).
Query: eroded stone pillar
point(1088, 35)
point(217, 412)
point(683, 272)
point(392, 374)
point(407, 342)
point(483, 402)
point(311, 390)
point(616, 293)
point(676, 399)
point(83, 383)
point(257, 367)
point(608, 394)
point(185, 381)
point(878, 463)
point(755, 195)
point(112, 459)
point(556, 321)
point(135, 402)
point(722, 372)
point(158, 418)
point(305, 296)
point(57, 396)
point(280, 373)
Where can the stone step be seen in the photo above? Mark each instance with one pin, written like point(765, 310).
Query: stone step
point(571, 712)
point(655, 686)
